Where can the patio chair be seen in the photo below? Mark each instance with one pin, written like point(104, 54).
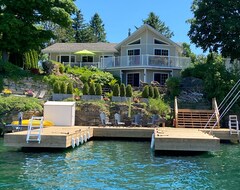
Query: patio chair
point(137, 120)
point(42, 94)
point(117, 119)
point(104, 119)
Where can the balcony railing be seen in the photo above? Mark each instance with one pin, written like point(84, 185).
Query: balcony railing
point(83, 64)
point(145, 60)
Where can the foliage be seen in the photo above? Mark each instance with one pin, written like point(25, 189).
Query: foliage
point(19, 30)
point(173, 86)
point(15, 103)
point(98, 89)
point(116, 90)
point(86, 89)
point(122, 90)
point(158, 106)
point(97, 28)
point(70, 88)
point(129, 91)
point(216, 26)
point(61, 68)
point(92, 88)
point(57, 87)
point(63, 88)
point(155, 22)
point(51, 79)
point(217, 79)
point(188, 53)
point(93, 75)
point(156, 93)
point(145, 92)
point(30, 59)
point(151, 92)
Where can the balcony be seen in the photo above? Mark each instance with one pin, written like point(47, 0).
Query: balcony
point(145, 61)
point(83, 64)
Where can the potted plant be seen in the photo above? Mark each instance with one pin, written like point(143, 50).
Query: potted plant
point(116, 93)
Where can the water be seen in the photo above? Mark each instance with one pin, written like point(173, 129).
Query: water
point(118, 165)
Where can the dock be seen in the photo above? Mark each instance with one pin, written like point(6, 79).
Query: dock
point(184, 139)
point(51, 137)
point(165, 138)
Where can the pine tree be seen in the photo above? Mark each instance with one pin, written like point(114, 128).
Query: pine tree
point(97, 27)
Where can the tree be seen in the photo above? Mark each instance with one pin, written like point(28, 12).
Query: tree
point(187, 52)
point(216, 26)
point(20, 30)
point(155, 22)
point(79, 27)
point(97, 27)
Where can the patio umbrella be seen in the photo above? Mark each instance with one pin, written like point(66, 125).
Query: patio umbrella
point(84, 52)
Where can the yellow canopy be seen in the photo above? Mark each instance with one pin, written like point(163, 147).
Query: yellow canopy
point(84, 52)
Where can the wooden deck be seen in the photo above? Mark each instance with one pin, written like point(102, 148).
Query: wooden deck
point(166, 138)
point(52, 137)
point(184, 139)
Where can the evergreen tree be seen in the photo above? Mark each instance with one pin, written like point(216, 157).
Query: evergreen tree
point(79, 27)
point(97, 27)
point(129, 90)
point(122, 90)
point(155, 22)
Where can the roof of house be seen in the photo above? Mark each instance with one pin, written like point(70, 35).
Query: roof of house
point(74, 47)
point(144, 28)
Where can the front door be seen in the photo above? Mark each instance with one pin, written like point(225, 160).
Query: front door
point(133, 79)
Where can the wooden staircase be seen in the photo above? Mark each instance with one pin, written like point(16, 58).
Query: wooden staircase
point(193, 118)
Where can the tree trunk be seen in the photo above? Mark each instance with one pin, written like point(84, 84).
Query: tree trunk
point(5, 56)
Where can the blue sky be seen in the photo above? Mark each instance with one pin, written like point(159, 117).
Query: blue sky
point(119, 16)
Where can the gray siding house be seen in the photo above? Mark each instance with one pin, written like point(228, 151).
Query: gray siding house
point(144, 56)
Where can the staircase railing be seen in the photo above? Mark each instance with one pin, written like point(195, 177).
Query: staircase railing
point(176, 111)
point(233, 96)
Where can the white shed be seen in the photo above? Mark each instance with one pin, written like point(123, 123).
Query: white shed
point(60, 113)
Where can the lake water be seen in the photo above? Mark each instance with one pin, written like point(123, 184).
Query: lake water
point(118, 165)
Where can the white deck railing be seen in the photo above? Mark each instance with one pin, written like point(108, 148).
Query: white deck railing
point(145, 60)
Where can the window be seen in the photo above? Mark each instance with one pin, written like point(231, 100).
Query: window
point(159, 42)
point(162, 52)
point(135, 42)
point(134, 56)
point(87, 59)
point(133, 79)
point(66, 58)
point(161, 78)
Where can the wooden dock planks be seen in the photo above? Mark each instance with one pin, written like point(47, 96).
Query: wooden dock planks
point(184, 139)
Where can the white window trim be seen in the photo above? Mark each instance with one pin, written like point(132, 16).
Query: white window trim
point(86, 56)
point(166, 43)
point(160, 73)
point(162, 49)
point(132, 73)
point(133, 49)
point(69, 55)
point(129, 44)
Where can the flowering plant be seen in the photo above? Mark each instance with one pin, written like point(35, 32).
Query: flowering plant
point(29, 93)
point(7, 91)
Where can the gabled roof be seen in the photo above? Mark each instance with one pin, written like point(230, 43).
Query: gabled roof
point(143, 28)
point(73, 47)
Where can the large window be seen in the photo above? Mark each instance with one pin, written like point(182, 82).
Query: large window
point(162, 52)
point(134, 56)
point(133, 79)
point(66, 59)
point(87, 58)
point(161, 78)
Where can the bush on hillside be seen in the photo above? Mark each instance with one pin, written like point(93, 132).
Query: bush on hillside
point(92, 89)
point(129, 91)
point(86, 89)
point(70, 88)
point(99, 89)
point(151, 92)
point(116, 90)
point(122, 90)
point(145, 92)
point(156, 93)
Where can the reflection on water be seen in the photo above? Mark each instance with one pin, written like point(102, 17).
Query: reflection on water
point(118, 165)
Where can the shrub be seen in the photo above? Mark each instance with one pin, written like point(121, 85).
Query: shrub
point(156, 93)
point(151, 92)
point(122, 90)
point(158, 106)
point(99, 89)
point(86, 89)
point(129, 91)
point(92, 89)
point(56, 87)
point(173, 86)
point(70, 88)
point(63, 88)
point(116, 90)
point(61, 69)
point(145, 93)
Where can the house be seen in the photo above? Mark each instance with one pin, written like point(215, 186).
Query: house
point(145, 55)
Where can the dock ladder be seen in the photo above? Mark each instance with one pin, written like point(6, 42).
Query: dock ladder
point(34, 129)
point(233, 125)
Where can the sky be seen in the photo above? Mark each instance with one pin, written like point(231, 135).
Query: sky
point(121, 15)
